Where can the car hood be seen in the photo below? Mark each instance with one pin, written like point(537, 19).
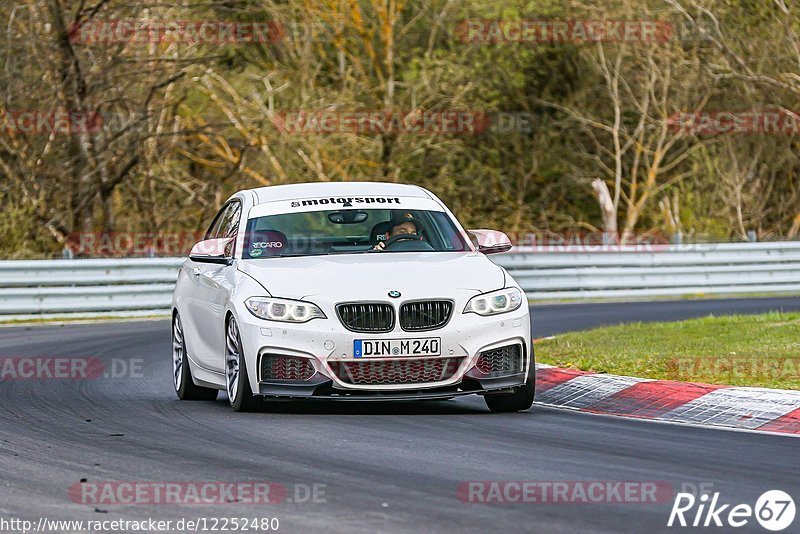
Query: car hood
point(371, 276)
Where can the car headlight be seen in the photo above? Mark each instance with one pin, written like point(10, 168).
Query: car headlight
point(284, 310)
point(502, 301)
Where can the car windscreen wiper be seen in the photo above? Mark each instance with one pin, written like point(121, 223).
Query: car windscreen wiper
point(299, 255)
point(336, 253)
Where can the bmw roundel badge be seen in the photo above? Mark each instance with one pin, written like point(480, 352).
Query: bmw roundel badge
point(394, 294)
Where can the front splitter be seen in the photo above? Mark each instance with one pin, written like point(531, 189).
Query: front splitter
point(322, 388)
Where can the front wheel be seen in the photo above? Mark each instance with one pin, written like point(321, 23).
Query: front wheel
point(181, 373)
point(240, 395)
point(518, 400)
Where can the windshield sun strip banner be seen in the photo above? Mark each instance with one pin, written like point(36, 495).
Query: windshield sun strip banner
point(300, 205)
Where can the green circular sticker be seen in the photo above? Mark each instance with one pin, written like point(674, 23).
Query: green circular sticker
point(256, 252)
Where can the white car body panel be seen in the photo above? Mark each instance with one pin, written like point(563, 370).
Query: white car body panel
point(371, 276)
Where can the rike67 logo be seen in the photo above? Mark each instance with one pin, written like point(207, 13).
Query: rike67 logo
point(774, 510)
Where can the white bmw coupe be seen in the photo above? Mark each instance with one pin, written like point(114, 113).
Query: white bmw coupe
point(348, 291)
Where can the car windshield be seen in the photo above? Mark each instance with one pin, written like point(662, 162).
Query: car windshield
point(351, 231)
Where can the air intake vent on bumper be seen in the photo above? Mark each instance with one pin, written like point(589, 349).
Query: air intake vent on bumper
point(280, 367)
point(396, 372)
point(501, 361)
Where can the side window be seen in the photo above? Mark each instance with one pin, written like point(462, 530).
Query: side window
point(213, 230)
point(230, 223)
point(226, 223)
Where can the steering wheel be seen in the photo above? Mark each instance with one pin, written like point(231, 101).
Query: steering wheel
point(399, 238)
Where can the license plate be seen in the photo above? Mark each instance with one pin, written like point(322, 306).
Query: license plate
point(383, 348)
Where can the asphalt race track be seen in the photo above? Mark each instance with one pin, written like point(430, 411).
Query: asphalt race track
point(385, 467)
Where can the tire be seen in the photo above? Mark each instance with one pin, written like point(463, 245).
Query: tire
point(185, 387)
point(240, 395)
point(519, 400)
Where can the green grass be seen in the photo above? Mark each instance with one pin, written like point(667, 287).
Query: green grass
point(741, 350)
point(689, 296)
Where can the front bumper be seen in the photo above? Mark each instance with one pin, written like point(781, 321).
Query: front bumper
point(328, 345)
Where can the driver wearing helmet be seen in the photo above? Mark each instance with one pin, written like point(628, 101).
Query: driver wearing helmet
point(403, 224)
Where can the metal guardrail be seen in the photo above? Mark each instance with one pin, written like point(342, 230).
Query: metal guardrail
point(637, 272)
point(144, 286)
point(90, 287)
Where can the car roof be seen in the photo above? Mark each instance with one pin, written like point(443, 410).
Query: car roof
point(323, 189)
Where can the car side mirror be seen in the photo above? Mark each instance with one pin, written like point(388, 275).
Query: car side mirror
point(490, 241)
point(213, 251)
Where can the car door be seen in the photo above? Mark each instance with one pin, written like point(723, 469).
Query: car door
point(211, 287)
